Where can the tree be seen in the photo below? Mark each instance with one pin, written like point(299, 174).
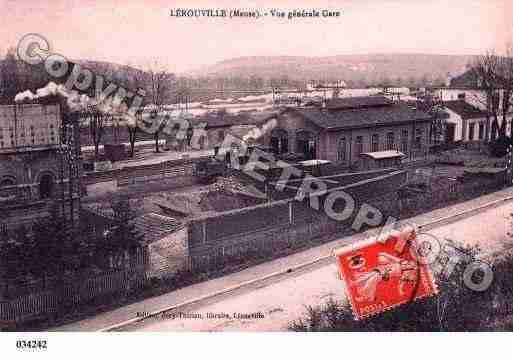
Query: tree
point(435, 108)
point(505, 78)
point(159, 86)
point(159, 122)
point(53, 247)
point(485, 68)
point(123, 236)
point(135, 79)
point(96, 121)
point(5, 251)
point(132, 126)
point(10, 75)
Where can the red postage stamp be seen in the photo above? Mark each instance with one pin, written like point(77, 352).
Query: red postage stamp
point(380, 275)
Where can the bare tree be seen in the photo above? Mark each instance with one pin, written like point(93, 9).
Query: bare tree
point(10, 75)
point(132, 128)
point(485, 68)
point(505, 78)
point(2, 82)
point(136, 80)
point(96, 121)
point(158, 86)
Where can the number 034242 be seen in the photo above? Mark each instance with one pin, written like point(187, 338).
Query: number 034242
point(31, 344)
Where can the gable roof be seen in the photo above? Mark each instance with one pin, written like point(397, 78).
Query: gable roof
point(464, 109)
point(214, 120)
point(155, 226)
point(394, 114)
point(379, 155)
point(345, 103)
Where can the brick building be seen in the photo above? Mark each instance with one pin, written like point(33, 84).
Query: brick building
point(34, 176)
point(346, 127)
point(212, 128)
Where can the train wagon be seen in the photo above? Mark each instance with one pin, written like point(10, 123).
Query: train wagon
point(209, 169)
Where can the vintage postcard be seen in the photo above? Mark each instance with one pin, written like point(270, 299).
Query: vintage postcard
point(259, 166)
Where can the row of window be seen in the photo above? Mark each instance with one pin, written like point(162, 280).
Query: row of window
point(8, 139)
point(46, 184)
point(390, 143)
point(22, 142)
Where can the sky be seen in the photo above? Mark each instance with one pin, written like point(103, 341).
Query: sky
point(140, 32)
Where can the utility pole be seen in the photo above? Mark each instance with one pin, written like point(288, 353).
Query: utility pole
point(68, 151)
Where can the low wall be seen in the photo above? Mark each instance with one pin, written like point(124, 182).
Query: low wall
point(277, 224)
point(180, 172)
point(333, 181)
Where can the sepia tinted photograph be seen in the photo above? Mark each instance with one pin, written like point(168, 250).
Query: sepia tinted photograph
point(266, 166)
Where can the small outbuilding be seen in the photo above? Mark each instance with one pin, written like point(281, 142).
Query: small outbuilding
point(380, 159)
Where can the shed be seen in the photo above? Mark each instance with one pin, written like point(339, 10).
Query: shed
point(167, 244)
point(381, 159)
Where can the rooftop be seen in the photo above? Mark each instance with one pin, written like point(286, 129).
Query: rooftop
point(155, 226)
point(396, 113)
point(225, 194)
point(345, 103)
point(214, 120)
point(464, 109)
point(379, 155)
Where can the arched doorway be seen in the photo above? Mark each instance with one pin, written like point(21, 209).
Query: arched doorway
point(6, 186)
point(342, 156)
point(306, 144)
point(279, 141)
point(203, 142)
point(7, 181)
point(46, 186)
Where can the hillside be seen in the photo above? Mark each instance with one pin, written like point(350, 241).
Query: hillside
point(372, 67)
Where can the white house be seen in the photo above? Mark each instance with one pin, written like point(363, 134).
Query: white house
point(465, 123)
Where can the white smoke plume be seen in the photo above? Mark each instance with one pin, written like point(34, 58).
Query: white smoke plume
point(75, 101)
point(257, 132)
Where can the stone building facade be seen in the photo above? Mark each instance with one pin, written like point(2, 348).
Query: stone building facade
point(347, 127)
point(34, 174)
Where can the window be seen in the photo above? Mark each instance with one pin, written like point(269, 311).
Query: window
point(418, 138)
point(275, 145)
point(279, 141)
point(481, 131)
point(311, 150)
point(375, 143)
point(404, 141)
point(390, 141)
point(46, 185)
point(359, 145)
point(284, 145)
point(342, 149)
point(220, 136)
point(471, 130)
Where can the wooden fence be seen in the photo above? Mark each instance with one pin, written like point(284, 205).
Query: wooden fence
point(57, 296)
